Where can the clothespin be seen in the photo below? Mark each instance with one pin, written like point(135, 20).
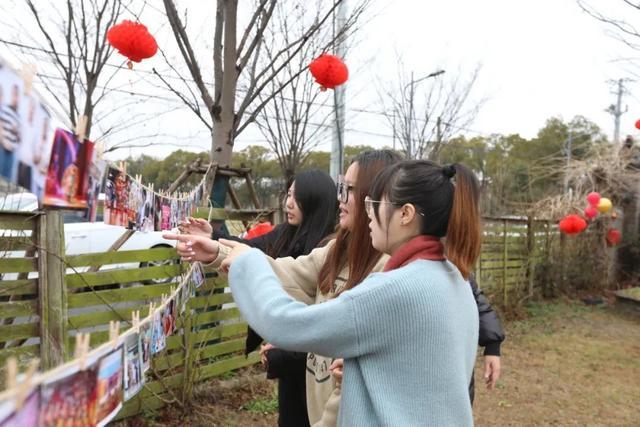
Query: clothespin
point(114, 332)
point(135, 320)
point(151, 308)
point(27, 73)
point(81, 127)
point(82, 348)
point(11, 379)
point(173, 290)
point(25, 385)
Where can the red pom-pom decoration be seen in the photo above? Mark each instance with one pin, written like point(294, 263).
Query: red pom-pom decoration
point(590, 212)
point(593, 198)
point(132, 40)
point(638, 124)
point(613, 237)
point(572, 224)
point(329, 71)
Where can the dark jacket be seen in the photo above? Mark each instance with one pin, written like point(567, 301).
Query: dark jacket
point(287, 366)
point(491, 333)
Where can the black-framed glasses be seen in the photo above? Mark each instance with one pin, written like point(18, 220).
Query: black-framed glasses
point(343, 190)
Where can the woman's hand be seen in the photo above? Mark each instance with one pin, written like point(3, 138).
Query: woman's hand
point(194, 248)
point(337, 369)
point(491, 371)
point(237, 248)
point(196, 227)
point(264, 348)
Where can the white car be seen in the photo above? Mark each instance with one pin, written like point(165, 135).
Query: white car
point(82, 237)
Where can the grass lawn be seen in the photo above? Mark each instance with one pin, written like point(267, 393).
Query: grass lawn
point(565, 365)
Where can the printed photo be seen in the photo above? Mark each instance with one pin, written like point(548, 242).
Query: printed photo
point(11, 101)
point(135, 202)
point(71, 396)
point(197, 274)
point(169, 317)
point(157, 211)
point(96, 176)
point(110, 386)
point(67, 182)
point(116, 198)
point(133, 373)
point(158, 338)
point(146, 338)
point(166, 214)
point(27, 416)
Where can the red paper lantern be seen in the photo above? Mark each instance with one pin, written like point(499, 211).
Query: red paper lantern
point(132, 40)
point(638, 124)
point(613, 237)
point(572, 224)
point(593, 198)
point(329, 71)
point(590, 212)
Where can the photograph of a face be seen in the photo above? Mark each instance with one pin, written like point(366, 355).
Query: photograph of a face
point(110, 376)
point(157, 211)
point(144, 218)
point(116, 202)
point(169, 314)
point(133, 373)
point(96, 177)
point(28, 415)
point(67, 182)
point(135, 201)
point(166, 214)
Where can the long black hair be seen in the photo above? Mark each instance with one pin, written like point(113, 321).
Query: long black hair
point(315, 194)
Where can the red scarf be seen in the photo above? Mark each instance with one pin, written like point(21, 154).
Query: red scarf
point(421, 247)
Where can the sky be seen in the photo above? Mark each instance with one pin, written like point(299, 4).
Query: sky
point(538, 60)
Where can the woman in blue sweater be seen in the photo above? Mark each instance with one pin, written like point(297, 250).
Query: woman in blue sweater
point(409, 334)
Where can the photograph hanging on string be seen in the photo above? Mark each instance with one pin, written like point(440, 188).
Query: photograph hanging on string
point(158, 338)
point(70, 397)
point(145, 219)
point(197, 275)
point(166, 214)
point(96, 177)
point(146, 339)
point(133, 370)
point(169, 313)
point(135, 202)
point(67, 182)
point(27, 415)
point(116, 198)
point(110, 376)
point(157, 212)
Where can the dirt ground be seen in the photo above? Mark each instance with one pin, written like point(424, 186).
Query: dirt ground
point(565, 365)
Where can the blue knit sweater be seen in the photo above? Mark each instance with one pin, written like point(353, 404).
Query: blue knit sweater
point(408, 337)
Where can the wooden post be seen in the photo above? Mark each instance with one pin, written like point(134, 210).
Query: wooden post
point(52, 290)
point(504, 264)
point(252, 190)
point(116, 245)
point(531, 236)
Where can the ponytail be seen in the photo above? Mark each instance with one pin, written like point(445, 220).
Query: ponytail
point(464, 234)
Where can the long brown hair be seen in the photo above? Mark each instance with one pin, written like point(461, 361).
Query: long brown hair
point(353, 248)
point(447, 199)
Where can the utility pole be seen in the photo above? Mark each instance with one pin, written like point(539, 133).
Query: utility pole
point(337, 145)
point(616, 111)
point(568, 149)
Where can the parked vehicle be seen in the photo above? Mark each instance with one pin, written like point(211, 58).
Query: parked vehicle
point(83, 237)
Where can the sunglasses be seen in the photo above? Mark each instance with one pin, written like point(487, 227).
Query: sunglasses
point(343, 190)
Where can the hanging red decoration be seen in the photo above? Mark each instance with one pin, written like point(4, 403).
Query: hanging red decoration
point(638, 124)
point(132, 40)
point(593, 198)
point(613, 237)
point(572, 224)
point(329, 71)
point(590, 212)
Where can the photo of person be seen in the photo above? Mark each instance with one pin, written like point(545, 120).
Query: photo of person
point(158, 339)
point(71, 396)
point(10, 133)
point(175, 211)
point(116, 202)
point(197, 274)
point(96, 176)
point(146, 338)
point(157, 211)
point(42, 154)
point(135, 201)
point(147, 211)
point(28, 144)
point(166, 214)
point(133, 374)
point(169, 314)
point(27, 416)
point(67, 183)
point(110, 373)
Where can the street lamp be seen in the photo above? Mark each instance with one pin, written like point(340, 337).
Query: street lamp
point(412, 83)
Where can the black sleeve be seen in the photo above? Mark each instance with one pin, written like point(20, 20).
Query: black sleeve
point(491, 332)
point(282, 363)
point(261, 242)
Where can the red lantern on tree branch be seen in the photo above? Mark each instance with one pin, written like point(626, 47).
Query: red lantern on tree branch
point(572, 224)
point(132, 40)
point(329, 71)
point(613, 237)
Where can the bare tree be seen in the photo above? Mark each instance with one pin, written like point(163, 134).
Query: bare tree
point(423, 112)
point(227, 112)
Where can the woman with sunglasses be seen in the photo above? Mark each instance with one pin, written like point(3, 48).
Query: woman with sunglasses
point(394, 327)
point(341, 265)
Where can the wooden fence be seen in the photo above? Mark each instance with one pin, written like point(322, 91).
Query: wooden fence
point(49, 297)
